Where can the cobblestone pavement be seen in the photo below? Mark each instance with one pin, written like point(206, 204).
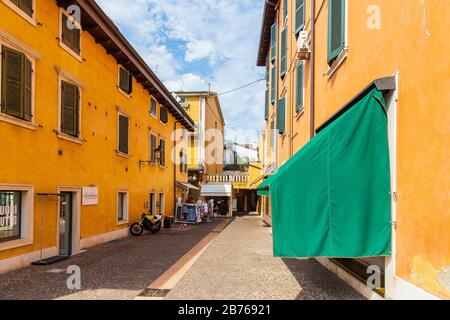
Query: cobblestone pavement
point(239, 265)
point(117, 270)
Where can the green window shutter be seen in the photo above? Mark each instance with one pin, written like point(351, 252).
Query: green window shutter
point(162, 145)
point(76, 37)
point(12, 83)
point(281, 115)
point(283, 59)
point(273, 90)
point(123, 134)
point(28, 90)
point(69, 109)
point(152, 148)
point(65, 32)
point(272, 128)
point(285, 10)
point(299, 15)
point(125, 80)
point(274, 36)
point(164, 116)
point(266, 111)
point(300, 83)
point(336, 28)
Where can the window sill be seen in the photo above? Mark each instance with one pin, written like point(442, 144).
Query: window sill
point(123, 155)
point(18, 122)
point(162, 123)
point(154, 116)
point(70, 51)
point(13, 7)
point(300, 113)
point(337, 63)
point(69, 138)
point(13, 244)
point(127, 95)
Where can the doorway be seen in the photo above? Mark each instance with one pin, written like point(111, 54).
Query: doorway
point(66, 224)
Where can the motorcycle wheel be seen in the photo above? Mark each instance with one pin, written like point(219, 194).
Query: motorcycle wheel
point(136, 229)
point(156, 228)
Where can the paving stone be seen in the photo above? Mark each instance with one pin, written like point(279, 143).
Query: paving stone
point(239, 264)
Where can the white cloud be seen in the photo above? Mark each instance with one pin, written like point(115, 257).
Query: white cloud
point(190, 44)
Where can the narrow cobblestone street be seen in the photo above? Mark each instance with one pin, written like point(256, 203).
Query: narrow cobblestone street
point(239, 265)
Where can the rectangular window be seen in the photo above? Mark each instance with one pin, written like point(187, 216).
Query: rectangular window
point(283, 59)
point(24, 5)
point(70, 107)
point(152, 203)
point(274, 36)
point(153, 147)
point(10, 215)
point(266, 111)
point(70, 34)
point(162, 203)
point(17, 75)
point(299, 105)
point(336, 28)
point(285, 10)
point(273, 89)
point(272, 129)
point(164, 115)
point(122, 206)
point(281, 115)
point(162, 145)
point(123, 134)
point(299, 15)
point(125, 80)
point(153, 107)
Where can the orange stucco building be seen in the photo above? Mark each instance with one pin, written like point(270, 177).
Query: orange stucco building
point(346, 46)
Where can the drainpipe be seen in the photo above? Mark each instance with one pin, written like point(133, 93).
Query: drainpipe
point(175, 167)
point(312, 67)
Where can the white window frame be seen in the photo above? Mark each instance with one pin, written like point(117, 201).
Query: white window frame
point(67, 77)
point(21, 13)
point(8, 40)
point(126, 206)
point(127, 95)
point(62, 44)
point(121, 112)
point(27, 216)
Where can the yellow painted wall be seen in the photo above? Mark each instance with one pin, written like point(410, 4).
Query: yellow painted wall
point(213, 121)
point(31, 157)
point(413, 40)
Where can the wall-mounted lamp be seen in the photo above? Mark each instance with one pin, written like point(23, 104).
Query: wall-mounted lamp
point(158, 154)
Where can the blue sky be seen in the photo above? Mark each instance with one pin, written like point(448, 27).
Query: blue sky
point(192, 43)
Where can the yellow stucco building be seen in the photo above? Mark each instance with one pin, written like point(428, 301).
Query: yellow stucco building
point(320, 56)
point(85, 132)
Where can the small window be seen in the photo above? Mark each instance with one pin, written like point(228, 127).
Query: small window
point(17, 75)
point(285, 10)
point(273, 42)
point(164, 115)
point(299, 105)
point(281, 115)
point(162, 145)
point(122, 206)
point(273, 88)
point(70, 34)
point(153, 107)
point(70, 109)
point(283, 58)
point(10, 215)
point(153, 147)
point(336, 29)
point(299, 16)
point(125, 80)
point(24, 5)
point(272, 130)
point(123, 133)
point(162, 203)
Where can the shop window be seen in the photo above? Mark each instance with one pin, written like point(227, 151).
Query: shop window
point(70, 109)
point(122, 206)
point(125, 80)
point(70, 33)
point(124, 124)
point(16, 88)
point(153, 107)
point(10, 215)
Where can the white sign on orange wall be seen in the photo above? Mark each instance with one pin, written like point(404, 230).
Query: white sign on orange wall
point(90, 196)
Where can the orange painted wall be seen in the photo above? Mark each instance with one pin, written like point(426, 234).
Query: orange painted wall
point(413, 40)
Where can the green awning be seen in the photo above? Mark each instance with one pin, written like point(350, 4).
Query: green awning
point(332, 199)
point(264, 187)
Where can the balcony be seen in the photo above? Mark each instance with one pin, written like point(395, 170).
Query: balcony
point(228, 178)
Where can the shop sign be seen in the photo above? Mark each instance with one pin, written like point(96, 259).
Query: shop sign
point(90, 196)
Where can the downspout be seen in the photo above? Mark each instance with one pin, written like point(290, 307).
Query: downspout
point(312, 68)
point(175, 166)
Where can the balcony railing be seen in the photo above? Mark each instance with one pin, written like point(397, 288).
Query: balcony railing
point(227, 178)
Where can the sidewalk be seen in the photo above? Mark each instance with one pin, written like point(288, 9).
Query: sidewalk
point(239, 264)
point(118, 270)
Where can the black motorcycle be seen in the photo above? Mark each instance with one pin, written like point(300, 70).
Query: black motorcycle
point(149, 222)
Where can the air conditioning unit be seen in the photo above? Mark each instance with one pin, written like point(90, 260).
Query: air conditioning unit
point(185, 105)
point(303, 52)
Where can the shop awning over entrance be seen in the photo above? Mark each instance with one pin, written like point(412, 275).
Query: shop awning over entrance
point(332, 199)
point(187, 186)
point(217, 190)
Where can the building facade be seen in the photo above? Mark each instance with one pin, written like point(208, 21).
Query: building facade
point(319, 55)
point(86, 132)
